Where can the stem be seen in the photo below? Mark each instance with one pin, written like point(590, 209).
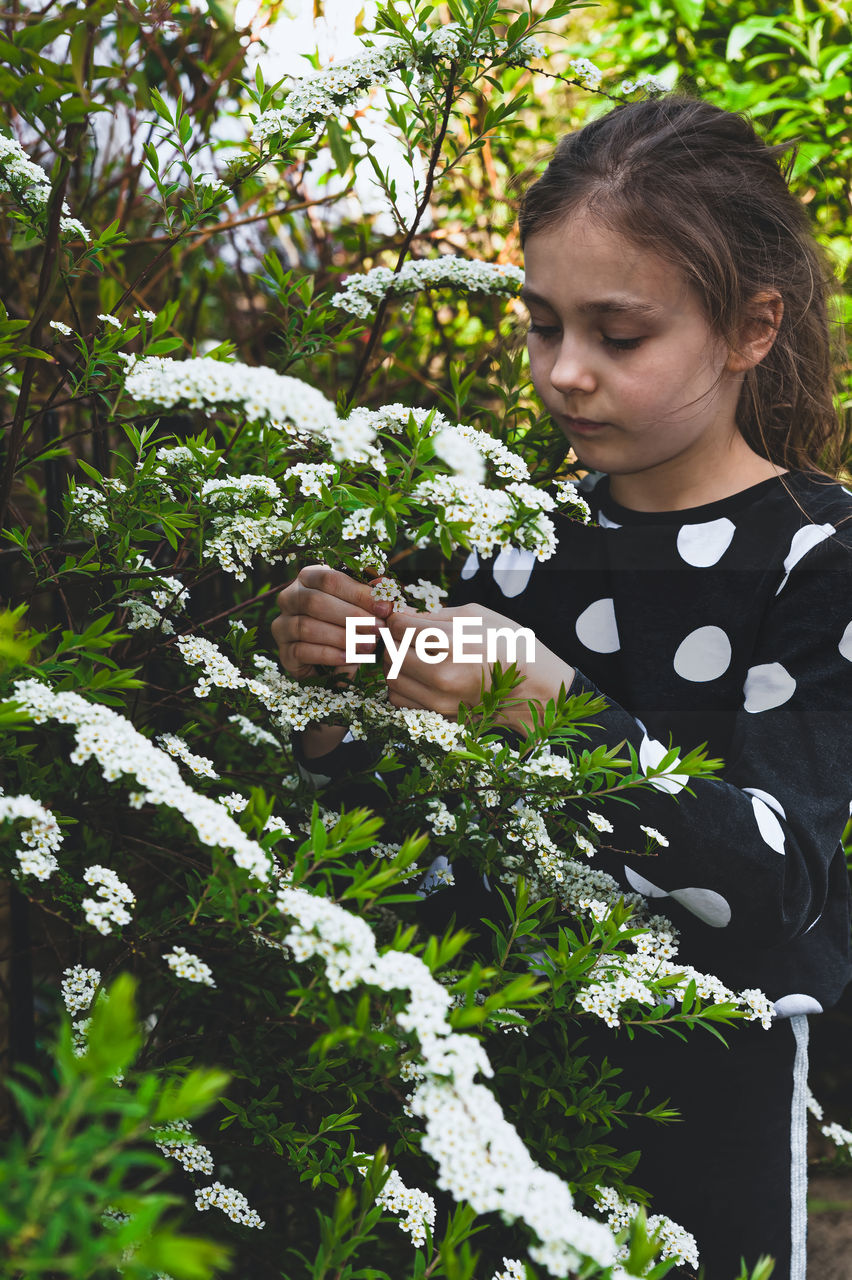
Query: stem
point(406, 244)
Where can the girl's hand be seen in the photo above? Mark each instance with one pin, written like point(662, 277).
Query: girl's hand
point(444, 685)
point(310, 630)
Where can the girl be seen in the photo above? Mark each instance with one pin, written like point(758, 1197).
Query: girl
point(679, 340)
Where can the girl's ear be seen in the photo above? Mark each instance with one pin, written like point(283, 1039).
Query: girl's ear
point(757, 332)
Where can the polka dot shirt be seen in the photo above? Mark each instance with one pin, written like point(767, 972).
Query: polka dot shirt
point(729, 624)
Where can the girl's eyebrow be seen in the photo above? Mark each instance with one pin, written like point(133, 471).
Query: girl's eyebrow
point(616, 305)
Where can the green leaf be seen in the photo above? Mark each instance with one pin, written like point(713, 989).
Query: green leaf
point(690, 12)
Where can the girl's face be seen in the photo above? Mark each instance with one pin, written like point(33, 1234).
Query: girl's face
point(624, 359)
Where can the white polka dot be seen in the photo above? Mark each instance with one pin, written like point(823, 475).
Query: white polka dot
point(709, 906)
point(795, 1003)
point(651, 752)
point(705, 544)
point(470, 566)
point(512, 570)
point(803, 541)
point(768, 825)
point(705, 654)
point(606, 523)
point(766, 686)
point(767, 799)
point(845, 645)
point(641, 885)
point(596, 627)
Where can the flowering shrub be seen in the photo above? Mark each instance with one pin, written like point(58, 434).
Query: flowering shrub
point(156, 493)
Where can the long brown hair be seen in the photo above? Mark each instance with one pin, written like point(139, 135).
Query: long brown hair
point(698, 187)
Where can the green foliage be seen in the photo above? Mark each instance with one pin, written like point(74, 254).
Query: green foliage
point(79, 1177)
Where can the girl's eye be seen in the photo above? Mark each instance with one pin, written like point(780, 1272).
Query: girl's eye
point(544, 330)
point(621, 344)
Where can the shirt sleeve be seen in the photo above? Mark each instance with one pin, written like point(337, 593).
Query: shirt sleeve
point(749, 851)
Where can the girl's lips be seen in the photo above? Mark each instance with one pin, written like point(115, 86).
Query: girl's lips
point(584, 426)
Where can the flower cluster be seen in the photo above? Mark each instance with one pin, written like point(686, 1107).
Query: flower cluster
point(194, 1157)
point(30, 186)
point(253, 733)
point(459, 453)
point(186, 965)
point(429, 592)
point(676, 1241)
point(506, 463)
point(258, 393)
point(416, 1208)
point(313, 99)
point(200, 765)
point(87, 508)
point(311, 476)
point(361, 293)
point(492, 518)
point(440, 819)
point(567, 491)
point(650, 83)
point(513, 1269)
point(231, 1202)
point(114, 895)
point(586, 71)
point(480, 1156)
point(237, 542)
point(360, 524)
point(78, 987)
point(119, 749)
point(41, 837)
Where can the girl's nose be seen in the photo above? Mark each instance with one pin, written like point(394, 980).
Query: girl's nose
point(572, 370)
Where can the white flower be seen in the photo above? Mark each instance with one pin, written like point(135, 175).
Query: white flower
point(652, 834)
point(120, 750)
point(61, 328)
point(416, 1208)
point(460, 454)
point(586, 71)
point(253, 733)
point(586, 845)
point(513, 1269)
point(653, 84)
point(838, 1135)
point(78, 987)
point(112, 320)
point(186, 965)
point(261, 394)
point(41, 837)
point(234, 803)
point(30, 186)
point(109, 907)
point(599, 822)
point(200, 765)
point(439, 817)
point(194, 1157)
point(231, 1202)
point(566, 491)
point(361, 293)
